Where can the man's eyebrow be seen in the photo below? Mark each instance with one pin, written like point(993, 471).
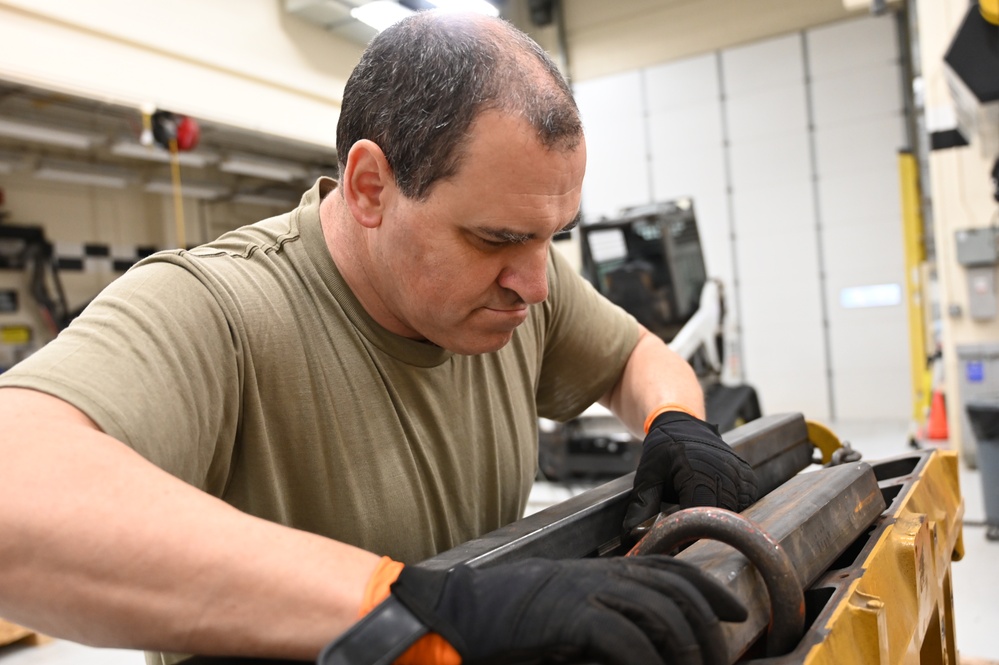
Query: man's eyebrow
point(571, 225)
point(514, 237)
point(506, 235)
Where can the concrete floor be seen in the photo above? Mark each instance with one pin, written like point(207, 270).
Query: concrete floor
point(975, 578)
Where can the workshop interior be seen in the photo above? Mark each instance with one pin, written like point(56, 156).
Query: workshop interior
point(800, 198)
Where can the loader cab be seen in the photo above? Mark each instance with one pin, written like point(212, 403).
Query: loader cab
point(649, 262)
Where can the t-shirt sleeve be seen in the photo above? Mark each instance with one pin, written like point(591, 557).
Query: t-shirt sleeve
point(587, 343)
point(153, 363)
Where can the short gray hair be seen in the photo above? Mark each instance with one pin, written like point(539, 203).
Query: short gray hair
point(422, 83)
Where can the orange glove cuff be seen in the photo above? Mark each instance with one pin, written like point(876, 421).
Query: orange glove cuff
point(431, 649)
point(663, 408)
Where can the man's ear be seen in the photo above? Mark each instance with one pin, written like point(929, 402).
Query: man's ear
point(367, 182)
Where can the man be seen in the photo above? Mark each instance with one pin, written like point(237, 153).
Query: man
point(355, 386)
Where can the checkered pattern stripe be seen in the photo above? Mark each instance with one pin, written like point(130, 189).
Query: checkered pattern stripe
point(97, 257)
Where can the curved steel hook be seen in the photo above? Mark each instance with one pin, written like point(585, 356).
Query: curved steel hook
point(787, 599)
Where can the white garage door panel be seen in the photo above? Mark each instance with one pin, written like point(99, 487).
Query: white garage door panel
point(784, 292)
point(681, 170)
point(800, 389)
point(767, 178)
point(774, 63)
point(876, 338)
point(684, 83)
point(785, 337)
point(857, 94)
point(786, 314)
point(697, 125)
point(773, 211)
point(862, 199)
point(771, 160)
point(610, 97)
point(767, 113)
point(859, 259)
point(716, 240)
point(783, 363)
point(863, 145)
point(778, 273)
point(781, 315)
point(852, 45)
point(872, 394)
point(617, 163)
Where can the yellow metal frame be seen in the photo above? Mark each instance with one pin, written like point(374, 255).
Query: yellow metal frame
point(915, 256)
point(824, 439)
point(890, 603)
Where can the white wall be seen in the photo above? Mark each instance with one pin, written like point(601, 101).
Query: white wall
point(788, 148)
point(244, 63)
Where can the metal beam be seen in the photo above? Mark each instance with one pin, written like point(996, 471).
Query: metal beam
point(815, 517)
point(777, 447)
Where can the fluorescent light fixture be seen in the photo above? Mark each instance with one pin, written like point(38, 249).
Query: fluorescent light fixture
point(266, 169)
point(477, 6)
point(189, 190)
point(81, 174)
point(875, 295)
point(39, 134)
point(155, 153)
point(380, 14)
point(264, 200)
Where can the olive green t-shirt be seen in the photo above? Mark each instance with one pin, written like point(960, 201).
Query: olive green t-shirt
point(247, 368)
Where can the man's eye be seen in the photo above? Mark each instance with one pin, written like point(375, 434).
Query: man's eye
point(492, 243)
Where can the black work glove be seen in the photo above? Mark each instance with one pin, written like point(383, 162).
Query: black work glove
point(685, 461)
point(622, 611)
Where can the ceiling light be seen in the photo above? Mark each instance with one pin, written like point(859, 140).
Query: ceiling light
point(477, 6)
point(155, 153)
point(190, 190)
point(39, 134)
point(380, 14)
point(263, 200)
point(79, 174)
point(266, 169)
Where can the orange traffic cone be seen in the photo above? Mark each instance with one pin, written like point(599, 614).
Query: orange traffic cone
point(936, 423)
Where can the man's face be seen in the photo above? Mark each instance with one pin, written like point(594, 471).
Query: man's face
point(461, 268)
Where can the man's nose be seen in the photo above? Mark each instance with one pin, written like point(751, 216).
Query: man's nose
point(527, 274)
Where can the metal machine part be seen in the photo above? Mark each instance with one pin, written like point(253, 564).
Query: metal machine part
point(876, 597)
point(815, 517)
point(777, 447)
point(881, 597)
point(787, 599)
point(887, 600)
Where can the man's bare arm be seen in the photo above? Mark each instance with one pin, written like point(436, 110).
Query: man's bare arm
point(654, 375)
point(100, 546)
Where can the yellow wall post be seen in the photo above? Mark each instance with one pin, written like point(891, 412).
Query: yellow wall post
point(915, 255)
